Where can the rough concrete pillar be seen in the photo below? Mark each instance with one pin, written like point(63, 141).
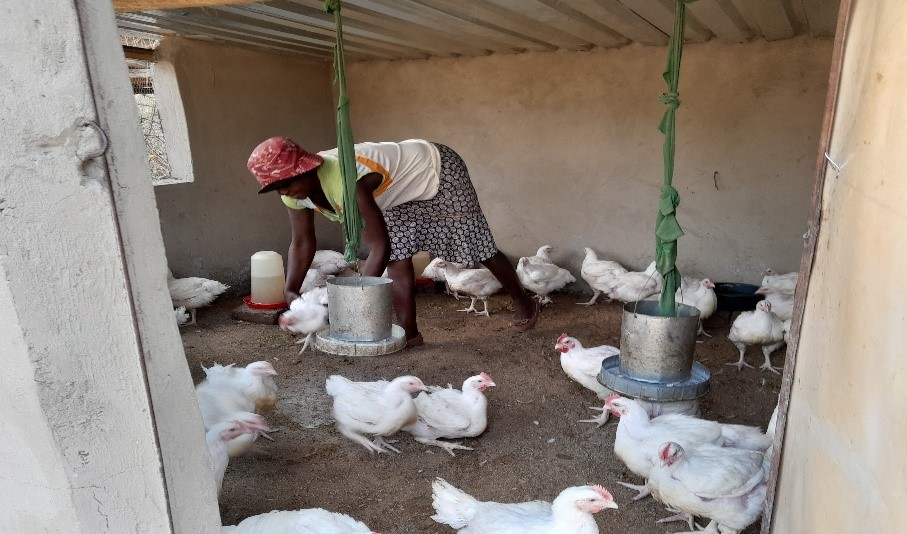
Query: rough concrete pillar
point(101, 432)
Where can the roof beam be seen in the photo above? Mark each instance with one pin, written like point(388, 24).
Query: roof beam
point(821, 17)
point(767, 16)
point(621, 19)
point(660, 13)
point(377, 25)
point(142, 22)
point(440, 23)
point(132, 6)
point(287, 21)
point(722, 19)
point(566, 19)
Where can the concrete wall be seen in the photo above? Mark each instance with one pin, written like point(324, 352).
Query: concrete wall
point(235, 98)
point(564, 149)
point(843, 467)
point(101, 431)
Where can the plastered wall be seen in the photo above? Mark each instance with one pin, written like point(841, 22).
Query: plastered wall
point(564, 149)
point(843, 467)
point(234, 98)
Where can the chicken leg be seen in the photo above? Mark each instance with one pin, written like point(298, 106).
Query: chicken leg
point(381, 442)
point(472, 306)
point(642, 490)
point(679, 516)
point(446, 445)
point(361, 440)
point(595, 295)
point(600, 419)
point(740, 364)
point(767, 351)
point(305, 343)
point(485, 311)
point(192, 315)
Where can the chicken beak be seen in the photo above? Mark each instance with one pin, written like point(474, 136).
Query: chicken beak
point(272, 372)
point(611, 504)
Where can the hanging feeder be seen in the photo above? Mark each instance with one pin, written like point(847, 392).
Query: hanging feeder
point(360, 310)
point(658, 339)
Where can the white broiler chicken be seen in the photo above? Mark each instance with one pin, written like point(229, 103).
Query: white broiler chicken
point(599, 274)
point(435, 272)
point(193, 292)
point(638, 437)
point(633, 285)
point(759, 327)
point(306, 316)
point(542, 256)
point(217, 438)
point(329, 262)
point(307, 521)
point(254, 381)
point(377, 409)
point(570, 513)
point(220, 403)
point(726, 485)
point(785, 326)
point(478, 284)
point(450, 413)
point(699, 294)
point(784, 283)
point(583, 365)
point(314, 279)
point(782, 303)
point(542, 278)
point(256, 425)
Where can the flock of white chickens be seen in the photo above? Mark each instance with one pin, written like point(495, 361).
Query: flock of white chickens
point(696, 467)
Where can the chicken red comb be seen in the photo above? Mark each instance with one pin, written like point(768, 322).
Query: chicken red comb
point(612, 397)
point(561, 337)
point(485, 376)
point(665, 452)
point(603, 492)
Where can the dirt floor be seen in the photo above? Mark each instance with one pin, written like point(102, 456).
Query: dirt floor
point(533, 447)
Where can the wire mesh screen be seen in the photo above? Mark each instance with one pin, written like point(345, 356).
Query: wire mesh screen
point(141, 73)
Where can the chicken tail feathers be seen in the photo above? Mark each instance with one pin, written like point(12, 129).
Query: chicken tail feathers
point(746, 437)
point(454, 507)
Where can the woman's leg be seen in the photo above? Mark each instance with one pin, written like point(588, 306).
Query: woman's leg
point(501, 268)
point(404, 295)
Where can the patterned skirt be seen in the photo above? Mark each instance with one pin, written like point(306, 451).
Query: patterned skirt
point(450, 226)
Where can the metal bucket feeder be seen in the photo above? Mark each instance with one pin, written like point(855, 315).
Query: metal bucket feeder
point(656, 355)
point(360, 314)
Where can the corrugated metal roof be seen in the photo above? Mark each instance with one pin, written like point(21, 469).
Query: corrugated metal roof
point(399, 29)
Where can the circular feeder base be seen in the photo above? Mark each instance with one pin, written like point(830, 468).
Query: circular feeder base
point(341, 347)
point(694, 387)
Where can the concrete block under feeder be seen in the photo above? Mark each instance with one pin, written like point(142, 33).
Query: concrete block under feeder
point(258, 314)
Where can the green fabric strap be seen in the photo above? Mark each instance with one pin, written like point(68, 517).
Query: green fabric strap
point(352, 221)
point(667, 229)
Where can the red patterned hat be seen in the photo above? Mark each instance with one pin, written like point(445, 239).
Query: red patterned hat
point(277, 159)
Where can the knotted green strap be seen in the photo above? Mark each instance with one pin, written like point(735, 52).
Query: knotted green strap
point(352, 221)
point(667, 229)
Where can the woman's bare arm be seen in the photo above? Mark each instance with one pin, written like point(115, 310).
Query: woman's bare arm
point(301, 252)
point(374, 234)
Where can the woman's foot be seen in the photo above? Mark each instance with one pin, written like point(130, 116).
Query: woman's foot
point(414, 341)
point(528, 323)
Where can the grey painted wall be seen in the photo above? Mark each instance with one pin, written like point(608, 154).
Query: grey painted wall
point(564, 149)
point(235, 98)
